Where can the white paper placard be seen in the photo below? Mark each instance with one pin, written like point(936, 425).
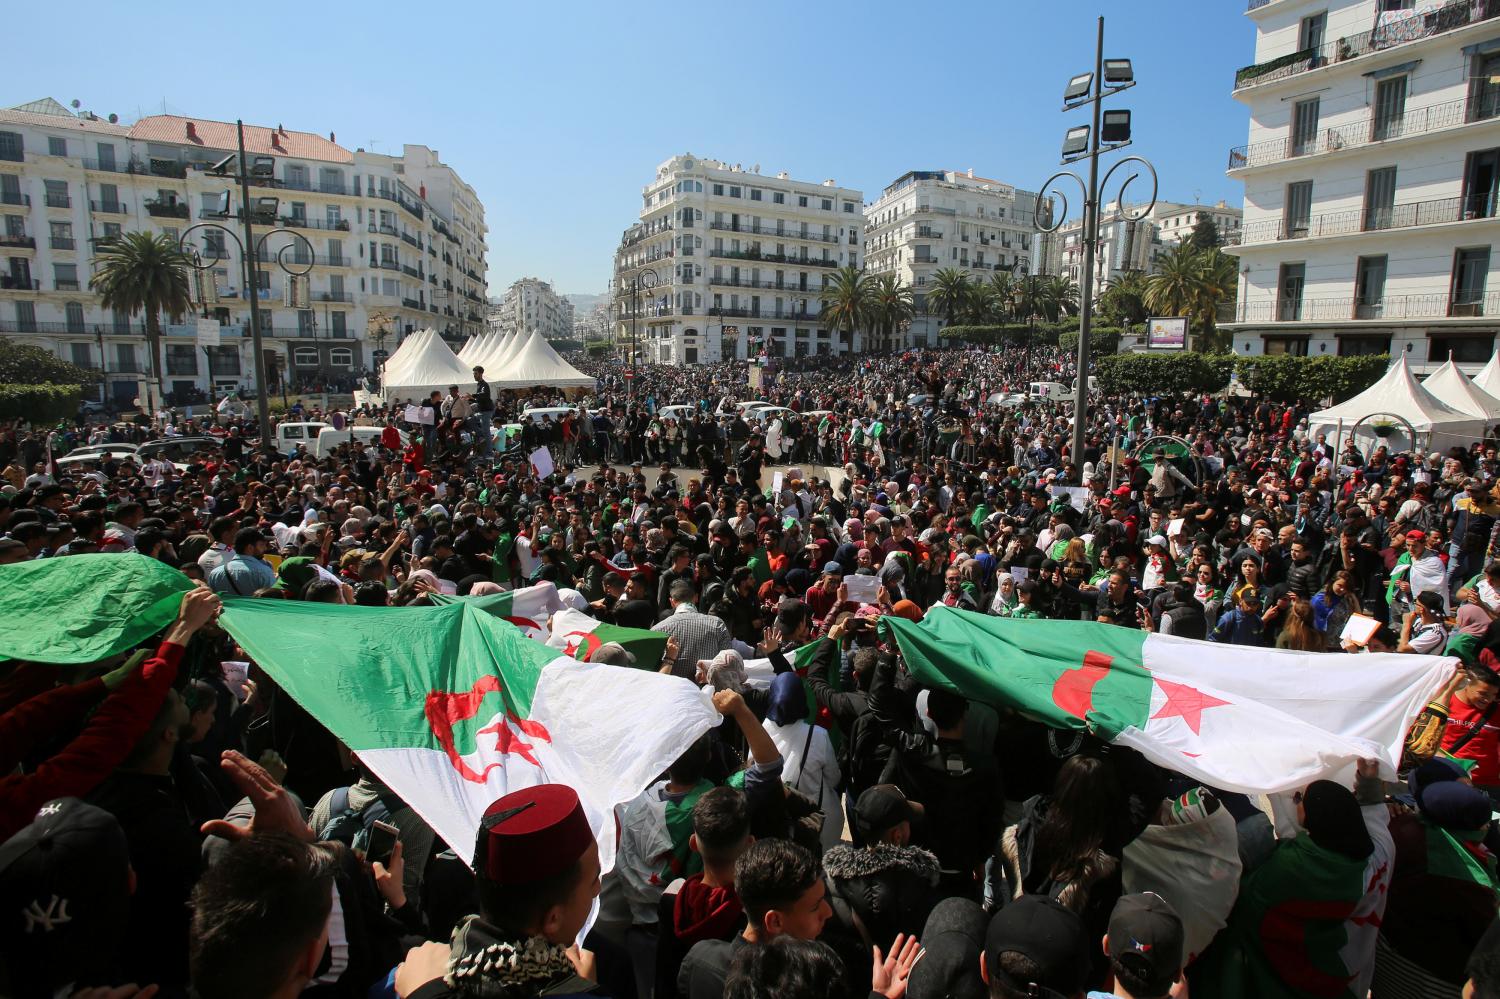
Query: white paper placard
point(776, 481)
point(863, 589)
point(1077, 495)
point(1019, 573)
point(1174, 527)
point(541, 459)
point(208, 332)
point(1358, 629)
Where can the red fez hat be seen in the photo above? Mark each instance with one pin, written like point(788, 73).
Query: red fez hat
point(531, 835)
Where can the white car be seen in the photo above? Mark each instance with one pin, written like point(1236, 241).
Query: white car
point(95, 453)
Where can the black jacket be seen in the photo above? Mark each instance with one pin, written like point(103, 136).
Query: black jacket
point(876, 893)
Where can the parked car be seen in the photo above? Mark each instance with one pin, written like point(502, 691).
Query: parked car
point(95, 453)
point(178, 450)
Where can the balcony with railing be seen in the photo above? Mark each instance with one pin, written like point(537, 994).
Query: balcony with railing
point(14, 198)
point(1367, 131)
point(1411, 215)
point(10, 282)
point(1409, 26)
point(322, 260)
point(19, 241)
point(389, 265)
point(1257, 4)
point(1440, 305)
point(415, 272)
point(772, 258)
point(108, 207)
point(328, 225)
point(57, 201)
point(399, 199)
point(411, 303)
point(767, 285)
point(781, 233)
point(66, 284)
point(167, 209)
point(335, 296)
point(63, 242)
point(384, 228)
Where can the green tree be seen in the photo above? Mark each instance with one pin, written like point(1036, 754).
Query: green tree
point(1205, 233)
point(846, 301)
point(1059, 298)
point(1124, 300)
point(891, 304)
point(1218, 281)
point(1172, 290)
point(143, 272)
point(949, 293)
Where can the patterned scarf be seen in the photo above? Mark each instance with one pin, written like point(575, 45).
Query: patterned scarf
point(485, 963)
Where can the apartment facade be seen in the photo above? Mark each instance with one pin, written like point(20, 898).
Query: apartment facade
point(927, 220)
point(1125, 244)
point(731, 264)
point(383, 245)
point(1370, 173)
point(532, 304)
point(1175, 221)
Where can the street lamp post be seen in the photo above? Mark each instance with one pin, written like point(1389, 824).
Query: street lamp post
point(644, 278)
point(1110, 132)
point(250, 249)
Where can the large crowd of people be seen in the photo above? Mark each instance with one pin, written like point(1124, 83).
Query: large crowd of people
point(172, 827)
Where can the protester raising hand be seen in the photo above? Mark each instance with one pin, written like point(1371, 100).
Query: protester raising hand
point(275, 809)
point(888, 974)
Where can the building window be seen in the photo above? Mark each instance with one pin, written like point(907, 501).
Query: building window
point(81, 355)
point(1369, 287)
point(223, 360)
point(1294, 345)
point(1289, 292)
point(26, 317)
point(73, 312)
point(849, 207)
point(1361, 346)
point(826, 204)
point(1466, 348)
point(734, 191)
point(1298, 210)
point(341, 357)
point(56, 146)
point(11, 146)
point(801, 201)
point(65, 276)
point(1305, 126)
point(719, 190)
point(777, 197)
point(125, 358)
point(755, 194)
point(1470, 270)
point(182, 359)
point(337, 323)
point(305, 357)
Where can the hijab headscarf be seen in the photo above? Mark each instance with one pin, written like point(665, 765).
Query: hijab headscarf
point(1458, 807)
point(726, 671)
point(788, 700)
point(1334, 820)
point(484, 588)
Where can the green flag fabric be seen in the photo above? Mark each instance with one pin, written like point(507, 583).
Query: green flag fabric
point(84, 608)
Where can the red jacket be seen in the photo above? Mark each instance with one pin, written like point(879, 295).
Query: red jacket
point(104, 743)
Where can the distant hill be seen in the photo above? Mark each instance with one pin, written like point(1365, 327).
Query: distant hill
point(583, 304)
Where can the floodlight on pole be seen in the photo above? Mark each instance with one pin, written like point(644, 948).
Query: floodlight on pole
point(1118, 73)
point(1116, 127)
point(1076, 142)
point(1077, 89)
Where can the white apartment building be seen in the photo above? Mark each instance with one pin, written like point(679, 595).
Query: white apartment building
point(739, 260)
point(531, 304)
point(1370, 177)
point(1126, 245)
point(394, 243)
point(1175, 221)
point(927, 220)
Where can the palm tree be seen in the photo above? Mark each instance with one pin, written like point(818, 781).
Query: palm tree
point(1059, 297)
point(1124, 299)
point(846, 301)
point(1172, 290)
point(1001, 292)
point(144, 272)
point(1218, 281)
point(949, 293)
point(891, 304)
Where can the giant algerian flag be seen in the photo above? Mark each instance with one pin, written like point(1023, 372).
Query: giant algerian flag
point(527, 607)
point(453, 707)
point(1242, 719)
point(579, 635)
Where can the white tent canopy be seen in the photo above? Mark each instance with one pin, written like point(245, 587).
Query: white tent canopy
point(1488, 378)
point(403, 354)
point(434, 368)
point(494, 355)
point(534, 362)
point(475, 347)
point(1453, 387)
point(1398, 393)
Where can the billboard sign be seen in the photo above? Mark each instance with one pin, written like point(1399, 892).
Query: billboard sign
point(1166, 333)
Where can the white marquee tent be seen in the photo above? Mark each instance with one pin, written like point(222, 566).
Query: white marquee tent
point(1453, 387)
point(534, 362)
point(475, 347)
point(1488, 378)
point(433, 367)
point(494, 355)
point(1438, 425)
point(403, 354)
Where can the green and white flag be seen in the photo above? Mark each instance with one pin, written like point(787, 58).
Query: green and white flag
point(453, 707)
point(527, 607)
point(579, 636)
point(1242, 719)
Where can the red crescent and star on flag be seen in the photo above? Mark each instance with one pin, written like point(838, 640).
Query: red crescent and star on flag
point(1074, 693)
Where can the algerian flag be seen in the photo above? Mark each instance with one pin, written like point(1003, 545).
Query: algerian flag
point(579, 635)
point(527, 607)
point(452, 707)
point(1242, 719)
point(760, 672)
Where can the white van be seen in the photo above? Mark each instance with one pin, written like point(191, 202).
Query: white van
point(329, 438)
point(289, 435)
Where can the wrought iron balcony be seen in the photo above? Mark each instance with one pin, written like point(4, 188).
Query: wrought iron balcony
point(167, 209)
point(1440, 305)
point(108, 207)
point(1367, 131)
point(1406, 216)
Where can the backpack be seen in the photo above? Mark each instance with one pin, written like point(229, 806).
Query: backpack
point(349, 825)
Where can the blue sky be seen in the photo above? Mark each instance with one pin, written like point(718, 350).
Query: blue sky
point(558, 113)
